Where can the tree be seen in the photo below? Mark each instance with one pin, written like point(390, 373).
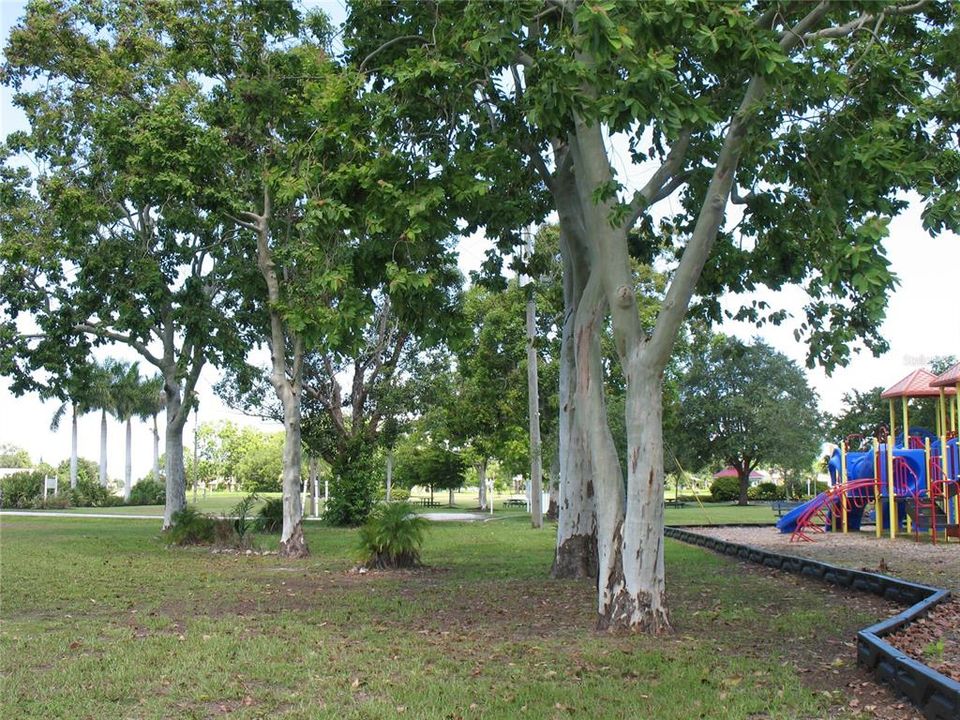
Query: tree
point(747, 405)
point(12, 456)
point(864, 414)
point(484, 409)
point(151, 402)
point(124, 250)
point(79, 390)
point(809, 117)
point(423, 463)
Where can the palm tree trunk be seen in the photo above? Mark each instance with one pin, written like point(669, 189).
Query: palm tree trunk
point(127, 466)
point(73, 449)
point(103, 448)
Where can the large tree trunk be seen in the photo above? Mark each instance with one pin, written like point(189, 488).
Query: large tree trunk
point(643, 600)
point(176, 481)
point(103, 448)
point(292, 542)
point(156, 450)
point(631, 593)
point(128, 463)
point(288, 384)
point(576, 551)
point(615, 605)
point(533, 412)
point(73, 448)
point(743, 477)
point(482, 483)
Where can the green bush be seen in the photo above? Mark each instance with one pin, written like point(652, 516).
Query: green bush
point(270, 517)
point(399, 494)
point(56, 502)
point(21, 490)
point(767, 491)
point(192, 527)
point(90, 493)
point(725, 489)
point(392, 536)
point(148, 492)
point(356, 476)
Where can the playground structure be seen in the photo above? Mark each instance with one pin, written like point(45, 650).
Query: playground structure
point(907, 481)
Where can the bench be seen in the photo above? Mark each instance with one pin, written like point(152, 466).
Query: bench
point(514, 502)
point(675, 503)
point(782, 507)
point(427, 502)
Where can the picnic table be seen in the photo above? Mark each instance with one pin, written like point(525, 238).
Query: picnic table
point(515, 502)
point(427, 502)
point(781, 507)
point(675, 503)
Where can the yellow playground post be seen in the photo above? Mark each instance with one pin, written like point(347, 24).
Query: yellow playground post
point(843, 481)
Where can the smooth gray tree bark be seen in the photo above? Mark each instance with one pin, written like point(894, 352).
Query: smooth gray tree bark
point(103, 447)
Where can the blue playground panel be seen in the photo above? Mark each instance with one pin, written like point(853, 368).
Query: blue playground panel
point(860, 465)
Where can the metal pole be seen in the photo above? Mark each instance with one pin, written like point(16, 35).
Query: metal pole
point(533, 402)
point(196, 467)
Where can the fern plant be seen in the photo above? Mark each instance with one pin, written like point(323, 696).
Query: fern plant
point(392, 537)
point(242, 513)
point(191, 527)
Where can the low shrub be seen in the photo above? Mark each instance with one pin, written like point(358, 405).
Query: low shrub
point(392, 537)
point(90, 493)
point(148, 492)
point(270, 516)
point(725, 489)
point(399, 495)
point(192, 527)
point(56, 502)
point(767, 491)
point(21, 490)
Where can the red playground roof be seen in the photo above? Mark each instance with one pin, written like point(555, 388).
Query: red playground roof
point(949, 379)
point(915, 385)
point(730, 471)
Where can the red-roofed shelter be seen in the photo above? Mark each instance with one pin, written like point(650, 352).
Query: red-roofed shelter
point(949, 383)
point(918, 384)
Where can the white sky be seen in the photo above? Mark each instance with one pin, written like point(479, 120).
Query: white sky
point(921, 323)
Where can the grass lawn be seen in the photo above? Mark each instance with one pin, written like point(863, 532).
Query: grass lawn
point(101, 620)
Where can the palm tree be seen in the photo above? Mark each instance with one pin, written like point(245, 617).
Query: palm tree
point(152, 403)
point(76, 391)
point(126, 399)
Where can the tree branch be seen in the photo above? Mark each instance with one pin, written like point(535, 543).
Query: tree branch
point(711, 215)
point(390, 43)
point(866, 18)
point(125, 339)
point(652, 191)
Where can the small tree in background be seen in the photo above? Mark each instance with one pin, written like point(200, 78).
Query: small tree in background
point(429, 465)
point(744, 405)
